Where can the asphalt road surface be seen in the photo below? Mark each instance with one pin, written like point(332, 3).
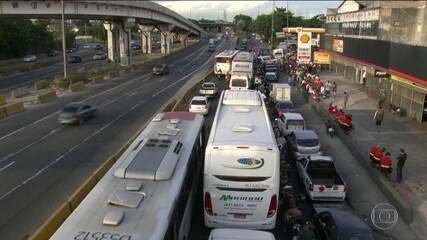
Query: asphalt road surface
point(42, 163)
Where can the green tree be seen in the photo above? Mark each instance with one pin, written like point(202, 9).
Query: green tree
point(242, 22)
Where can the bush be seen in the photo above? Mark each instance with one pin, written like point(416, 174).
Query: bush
point(42, 84)
point(77, 77)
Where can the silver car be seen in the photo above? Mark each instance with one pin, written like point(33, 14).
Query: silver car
point(304, 143)
point(76, 113)
point(100, 56)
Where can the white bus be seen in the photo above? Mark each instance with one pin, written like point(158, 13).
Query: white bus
point(223, 62)
point(242, 161)
point(242, 71)
point(149, 192)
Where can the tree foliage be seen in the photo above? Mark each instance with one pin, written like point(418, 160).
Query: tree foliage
point(242, 22)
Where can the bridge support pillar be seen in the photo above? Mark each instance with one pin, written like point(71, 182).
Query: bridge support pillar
point(165, 38)
point(145, 37)
point(183, 38)
point(124, 38)
point(112, 40)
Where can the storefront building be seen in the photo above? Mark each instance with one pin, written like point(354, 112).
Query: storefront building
point(383, 46)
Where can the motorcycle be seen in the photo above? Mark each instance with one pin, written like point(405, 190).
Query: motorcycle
point(330, 129)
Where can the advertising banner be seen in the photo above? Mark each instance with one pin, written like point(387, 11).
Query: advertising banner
point(304, 47)
point(338, 45)
point(322, 58)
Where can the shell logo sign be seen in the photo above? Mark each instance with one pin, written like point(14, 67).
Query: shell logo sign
point(304, 38)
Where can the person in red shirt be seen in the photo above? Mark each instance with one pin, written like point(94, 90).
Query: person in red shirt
point(372, 154)
point(386, 164)
point(332, 109)
point(378, 155)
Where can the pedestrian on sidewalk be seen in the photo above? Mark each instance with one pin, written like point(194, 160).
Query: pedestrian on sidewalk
point(401, 159)
point(346, 97)
point(378, 117)
point(334, 89)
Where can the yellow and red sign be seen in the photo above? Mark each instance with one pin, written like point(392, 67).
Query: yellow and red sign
point(304, 47)
point(322, 58)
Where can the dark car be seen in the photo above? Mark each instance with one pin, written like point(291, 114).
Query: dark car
point(98, 47)
point(333, 223)
point(76, 113)
point(71, 50)
point(74, 59)
point(161, 69)
point(53, 53)
point(285, 106)
point(136, 46)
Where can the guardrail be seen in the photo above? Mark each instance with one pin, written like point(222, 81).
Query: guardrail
point(60, 215)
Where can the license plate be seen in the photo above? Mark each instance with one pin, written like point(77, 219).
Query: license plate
point(239, 216)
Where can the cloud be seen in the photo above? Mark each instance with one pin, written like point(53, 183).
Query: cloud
point(215, 9)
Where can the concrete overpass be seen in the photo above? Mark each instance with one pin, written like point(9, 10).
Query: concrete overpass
point(217, 26)
point(118, 16)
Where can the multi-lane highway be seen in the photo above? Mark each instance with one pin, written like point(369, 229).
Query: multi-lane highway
point(42, 163)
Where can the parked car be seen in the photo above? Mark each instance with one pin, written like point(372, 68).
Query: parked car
point(76, 113)
point(285, 106)
point(136, 46)
point(320, 178)
point(304, 143)
point(288, 122)
point(161, 69)
point(53, 53)
point(235, 234)
point(71, 50)
point(199, 104)
point(333, 223)
point(74, 59)
point(30, 58)
point(98, 47)
point(100, 56)
point(208, 89)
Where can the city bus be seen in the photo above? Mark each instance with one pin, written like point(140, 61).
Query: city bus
point(223, 60)
point(149, 192)
point(241, 169)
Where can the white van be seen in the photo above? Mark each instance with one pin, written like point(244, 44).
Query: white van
point(289, 122)
point(242, 164)
point(239, 234)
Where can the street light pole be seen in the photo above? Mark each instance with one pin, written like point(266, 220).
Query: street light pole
point(64, 51)
point(287, 19)
point(272, 26)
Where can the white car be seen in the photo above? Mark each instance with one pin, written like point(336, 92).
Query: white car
point(208, 89)
point(30, 58)
point(199, 104)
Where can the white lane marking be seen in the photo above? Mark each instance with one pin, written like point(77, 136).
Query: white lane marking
point(8, 165)
point(31, 144)
point(70, 150)
point(84, 100)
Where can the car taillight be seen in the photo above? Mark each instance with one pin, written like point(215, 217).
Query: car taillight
point(273, 206)
point(310, 187)
point(208, 204)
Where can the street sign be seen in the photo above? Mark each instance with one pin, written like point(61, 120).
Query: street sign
point(304, 47)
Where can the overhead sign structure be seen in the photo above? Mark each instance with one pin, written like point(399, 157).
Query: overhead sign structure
point(304, 47)
point(322, 58)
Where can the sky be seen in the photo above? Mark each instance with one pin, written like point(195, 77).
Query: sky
point(215, 9)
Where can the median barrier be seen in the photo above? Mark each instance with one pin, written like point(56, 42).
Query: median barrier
point(42, 84)
point(2, 100)
point(20, 92)
point(13, 108)
point(111, 74)
point(77, 86)
point(53, 223)
point(404, 208)
point(47, 96)
point(82, 191)
point(3, 113)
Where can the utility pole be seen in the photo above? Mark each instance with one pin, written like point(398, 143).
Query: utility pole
point(287, 19)
point(64, 50)
point(272, 26)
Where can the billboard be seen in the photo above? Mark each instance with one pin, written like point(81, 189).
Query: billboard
point(338, 45)
point(304, 47)
point(322, 58)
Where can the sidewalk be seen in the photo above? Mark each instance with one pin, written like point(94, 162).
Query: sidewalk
point(395, 133)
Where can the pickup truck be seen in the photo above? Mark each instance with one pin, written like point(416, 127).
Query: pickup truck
point(320, 178)
point(208, 89)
